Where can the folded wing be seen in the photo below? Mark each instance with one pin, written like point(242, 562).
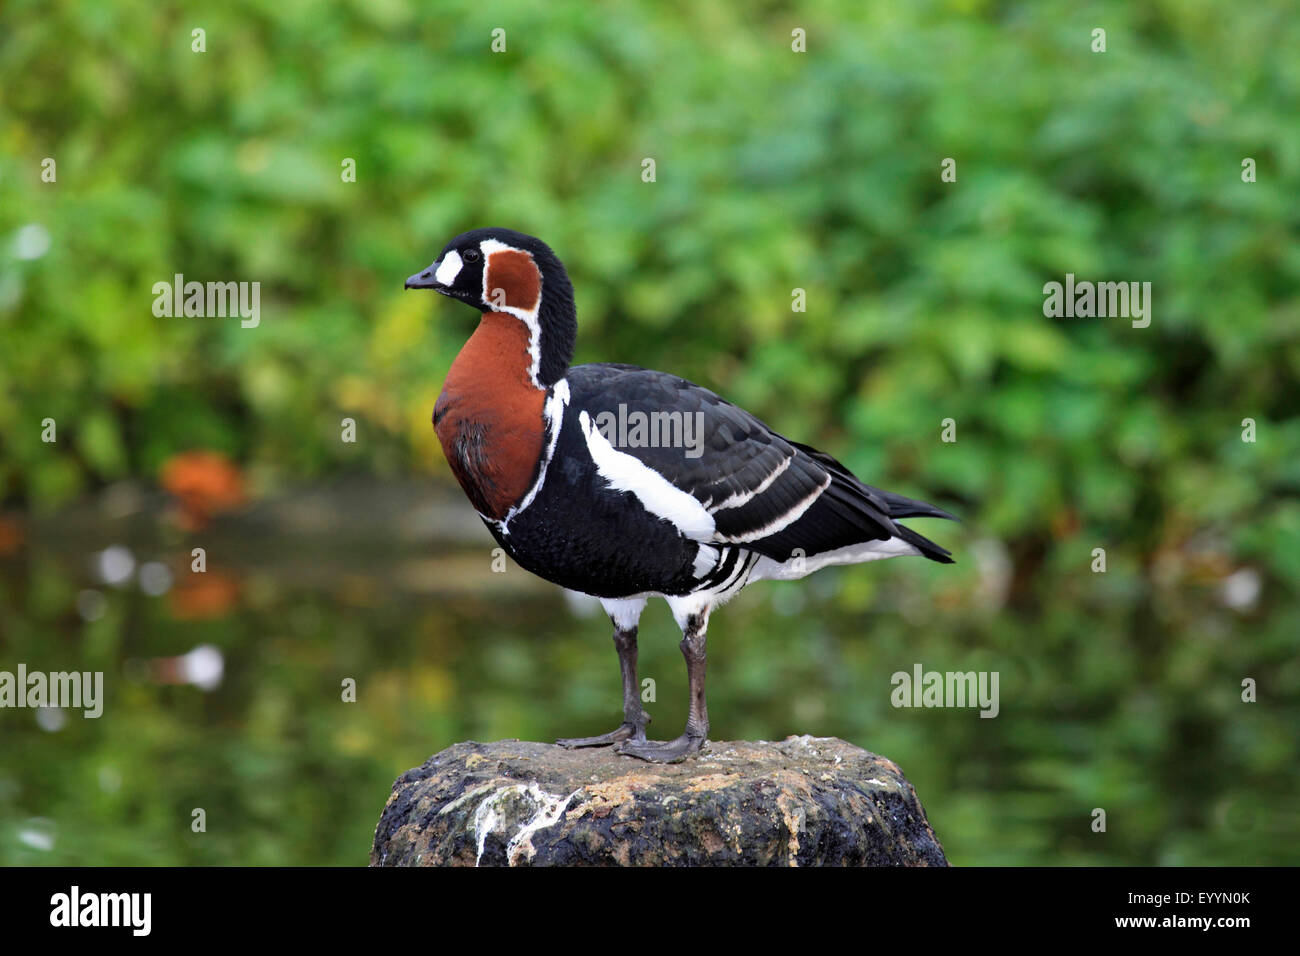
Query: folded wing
point(750, 486)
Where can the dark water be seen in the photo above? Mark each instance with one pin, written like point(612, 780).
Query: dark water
point(1117, 693)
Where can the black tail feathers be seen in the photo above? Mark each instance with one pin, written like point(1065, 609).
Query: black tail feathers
point(923, 544)
point(901, 507)
point(895, 506)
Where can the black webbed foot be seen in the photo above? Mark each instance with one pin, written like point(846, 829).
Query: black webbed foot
point(662, 751)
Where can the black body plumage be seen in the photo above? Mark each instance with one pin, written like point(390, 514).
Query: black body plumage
point(582, 534)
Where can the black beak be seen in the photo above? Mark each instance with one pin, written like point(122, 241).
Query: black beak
point(425, 279)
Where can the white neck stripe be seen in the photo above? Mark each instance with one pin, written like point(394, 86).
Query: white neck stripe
point(528, 316)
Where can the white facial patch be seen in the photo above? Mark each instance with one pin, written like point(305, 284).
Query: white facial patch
point(449, 268)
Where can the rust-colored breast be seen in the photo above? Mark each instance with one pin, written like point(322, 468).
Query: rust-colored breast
point(489, 416)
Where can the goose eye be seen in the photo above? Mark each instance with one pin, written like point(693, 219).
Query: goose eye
point(470, 255)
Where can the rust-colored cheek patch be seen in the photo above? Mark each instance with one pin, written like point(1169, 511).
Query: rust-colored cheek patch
point(515, 274)
point(489, 417)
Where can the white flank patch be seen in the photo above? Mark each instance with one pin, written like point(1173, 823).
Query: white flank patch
point(723, 591)
point(706, 559)
point(789, 518)
point(624, 612)
point(769, 570)
point(449, 268)
point(687, 606)
point(656, 493)
point(526, 316)
point(553, 412)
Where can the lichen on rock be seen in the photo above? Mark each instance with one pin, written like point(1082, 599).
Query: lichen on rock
point(804, 801)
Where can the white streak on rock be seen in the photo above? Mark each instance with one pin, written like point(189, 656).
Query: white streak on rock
point(548, 808)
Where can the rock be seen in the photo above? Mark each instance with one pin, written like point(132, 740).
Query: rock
point(805, 801)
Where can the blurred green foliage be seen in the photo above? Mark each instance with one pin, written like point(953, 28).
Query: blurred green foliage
point(775, 171)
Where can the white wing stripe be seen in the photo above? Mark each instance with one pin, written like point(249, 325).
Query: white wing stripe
point(777, 524)
point(742, 497)
point(656, 493)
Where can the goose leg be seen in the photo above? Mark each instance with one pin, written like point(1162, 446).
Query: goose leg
point(697, 720)
point(634, 718)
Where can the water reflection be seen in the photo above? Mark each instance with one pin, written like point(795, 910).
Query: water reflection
point(227, 687)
